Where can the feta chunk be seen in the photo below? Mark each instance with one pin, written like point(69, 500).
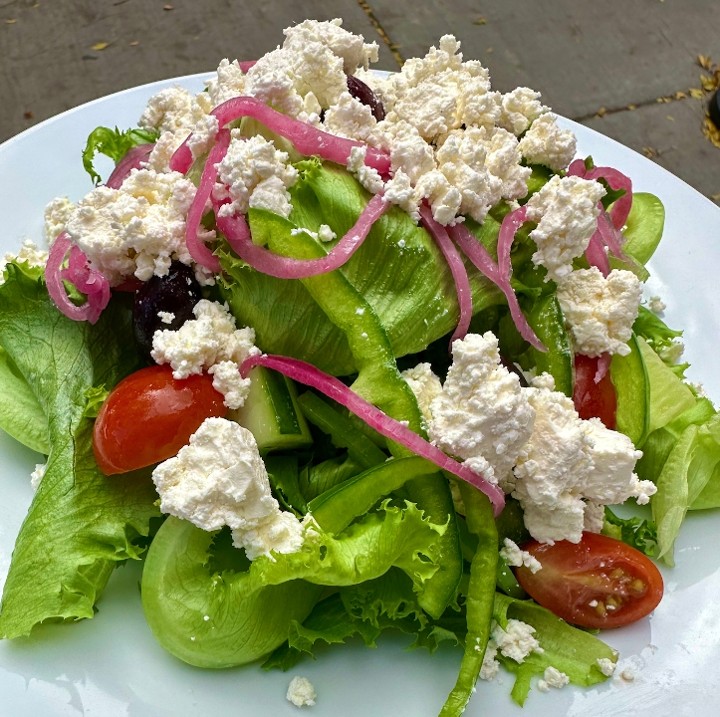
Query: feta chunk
point(440, 92)
point(570, 468)
point(566, 212)
point(482, 414)
point(29, 254)
point(254, 173)
point(546, 143)
point(136, 229)
point(210, 342)
point(220, 479)
point(425, 385)
point(57, 212)
point(176, 113)
point(301, 692)
point(519, 108)
point(599, 310)
point(552, 678)
point(515, 557)
point(516, 641)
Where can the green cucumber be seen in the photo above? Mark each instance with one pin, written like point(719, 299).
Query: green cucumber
point(271, 413)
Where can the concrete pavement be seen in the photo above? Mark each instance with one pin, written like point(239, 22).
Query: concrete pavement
point(630, 70)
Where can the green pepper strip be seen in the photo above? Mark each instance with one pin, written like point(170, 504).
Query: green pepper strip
point(337, 507)
point(341, 430)
point(480, 598)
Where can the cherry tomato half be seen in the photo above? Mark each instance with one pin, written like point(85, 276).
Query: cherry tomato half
point(599, 582)
point(593, 400)
point(149, 416)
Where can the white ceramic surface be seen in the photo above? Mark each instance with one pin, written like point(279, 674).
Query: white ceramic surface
point(111, 666)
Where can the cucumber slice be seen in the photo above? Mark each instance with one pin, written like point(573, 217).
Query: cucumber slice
point(271, 413)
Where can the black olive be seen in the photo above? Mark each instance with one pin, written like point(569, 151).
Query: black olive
point(175, 293)
point(361, 92)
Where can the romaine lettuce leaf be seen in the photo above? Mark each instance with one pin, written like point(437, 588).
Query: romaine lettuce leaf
point(80, 523)
point(399, 272)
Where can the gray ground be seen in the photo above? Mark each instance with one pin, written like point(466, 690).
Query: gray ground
point(628, 69)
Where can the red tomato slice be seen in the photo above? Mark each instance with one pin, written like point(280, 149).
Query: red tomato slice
point(599, 582)
point(149, 416)
point(593, 400)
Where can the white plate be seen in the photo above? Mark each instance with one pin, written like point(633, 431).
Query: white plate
point(112, 666)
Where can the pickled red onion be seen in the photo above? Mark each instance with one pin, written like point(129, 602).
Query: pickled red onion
point(89, 281)
point(596, 254)
point(134, 159)
point(387, 426)
point(237, 233)
point(457, 269)
point(620, 208)
point(196, 248)
point(482, 260)
point(308, 140)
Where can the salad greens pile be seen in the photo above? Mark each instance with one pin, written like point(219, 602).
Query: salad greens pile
point(388, 551)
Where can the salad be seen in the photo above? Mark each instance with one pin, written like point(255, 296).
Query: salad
point(297, 257)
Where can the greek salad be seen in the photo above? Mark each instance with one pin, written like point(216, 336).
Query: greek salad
point(336, 353)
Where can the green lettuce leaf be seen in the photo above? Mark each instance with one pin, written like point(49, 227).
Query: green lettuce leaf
point(113, 143)
point(80, 523)
point(569, 649)
point(251, 610)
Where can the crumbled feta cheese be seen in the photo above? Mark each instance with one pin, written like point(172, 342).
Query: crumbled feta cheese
point(29, 254)
point(440, 92)
point(606, 666)
point(37, 475)
point(656, 305)
point(351, 48)
point(425, 385)
point(490, 665)
point(516, 641)
point(136, 229)
point(56, 215)
point(568, 462)
point(519, 108)
point(229, 82)
point(166, 317)
point(546, 143)
point(175, 113)
point(210, 342)
point(367, 176)
point(220, 479)
point(301, 692)
point(515, 557)
point(566, 213)
point(552, 677)
point(308, 73)
point(482, 415)
point(325, 233)
point(254, 173)
point(349, 117)
point(600, 310)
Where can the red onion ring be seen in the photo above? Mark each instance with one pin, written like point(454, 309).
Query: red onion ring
point(89, 281)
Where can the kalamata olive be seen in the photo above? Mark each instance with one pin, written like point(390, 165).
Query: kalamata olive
point(164, 302)
point(361, 92)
